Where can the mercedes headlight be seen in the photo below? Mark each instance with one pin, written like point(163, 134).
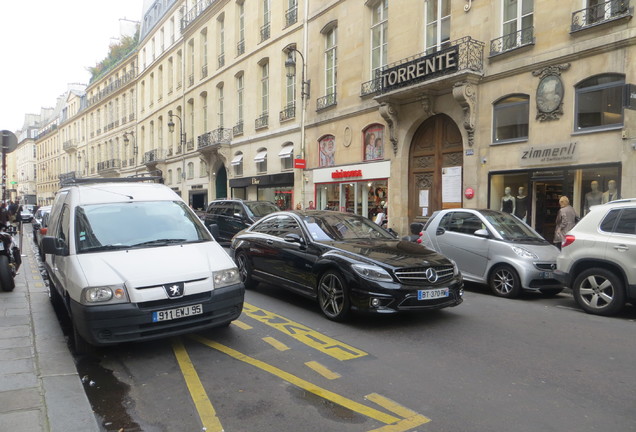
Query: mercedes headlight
point(524, 253)
point(226, 277)
point(372, 272)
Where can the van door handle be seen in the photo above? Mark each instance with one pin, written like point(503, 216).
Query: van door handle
point(621, 248)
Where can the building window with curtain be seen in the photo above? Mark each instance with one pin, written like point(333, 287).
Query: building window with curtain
point(511, 118)
point(438, 22)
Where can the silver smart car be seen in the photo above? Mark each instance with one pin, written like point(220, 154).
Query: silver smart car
point(495, 248)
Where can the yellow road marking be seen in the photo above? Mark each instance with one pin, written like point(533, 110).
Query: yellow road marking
point(38, 284)
point(276, 344)
point(206, 411)
point(304, 334)
point(411, 418)
point(241, 325)
point(322, 370)
point(301, 383)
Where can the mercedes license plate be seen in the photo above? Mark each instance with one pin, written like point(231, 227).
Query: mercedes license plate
point(432, 294)
point(176, 313)
point(547, 275)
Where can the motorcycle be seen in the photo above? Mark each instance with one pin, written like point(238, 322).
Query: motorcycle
point(10, 258)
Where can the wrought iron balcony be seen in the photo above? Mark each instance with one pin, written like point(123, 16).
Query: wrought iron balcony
point(214, 139)
point(108, 165)
point(238, 129)
point(262, 121)
point(291, 16)
point(70, 146)
point(600, 13)
point(153, 157)
point(326, 101)
point(371, 87)
point(289, 112)
point(512, 41)
point(240, 47)
point(193, 13)
point(265, 32)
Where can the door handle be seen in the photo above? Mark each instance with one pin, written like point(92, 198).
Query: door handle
point(270, 242)
point(621, 248)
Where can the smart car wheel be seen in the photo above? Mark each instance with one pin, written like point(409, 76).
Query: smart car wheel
point(245, 270)
point(504, 282)
point(333, 296)
point(599, 291)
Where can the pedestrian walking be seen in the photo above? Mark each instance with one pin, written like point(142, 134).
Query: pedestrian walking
point(565, 221)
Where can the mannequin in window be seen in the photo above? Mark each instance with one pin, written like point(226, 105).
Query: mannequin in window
point(611, 193)
point(593, 197)
point(521, 204)
point(507, 202)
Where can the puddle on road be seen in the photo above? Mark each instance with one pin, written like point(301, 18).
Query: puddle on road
point(327, 408)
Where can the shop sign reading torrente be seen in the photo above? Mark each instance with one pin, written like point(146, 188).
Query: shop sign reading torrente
point(548, 155)
point(420, 69)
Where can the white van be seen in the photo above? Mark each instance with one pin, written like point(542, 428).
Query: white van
point(131, 261)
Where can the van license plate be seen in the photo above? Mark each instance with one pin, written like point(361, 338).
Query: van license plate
point(432, 294)
point(176, 313)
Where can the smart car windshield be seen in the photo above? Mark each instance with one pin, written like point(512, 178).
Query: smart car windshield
point(511, 228)
point(343, 226)
point(139, 224)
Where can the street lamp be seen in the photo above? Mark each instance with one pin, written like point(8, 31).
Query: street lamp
point(182, 141)
point(290, 68)
point(135, 148)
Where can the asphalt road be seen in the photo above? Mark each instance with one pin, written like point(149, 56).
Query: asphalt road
point(490, 364)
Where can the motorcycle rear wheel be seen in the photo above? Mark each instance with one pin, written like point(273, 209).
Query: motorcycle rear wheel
point(6, 278)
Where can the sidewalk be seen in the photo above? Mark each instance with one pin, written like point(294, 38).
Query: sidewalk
point(40, 389)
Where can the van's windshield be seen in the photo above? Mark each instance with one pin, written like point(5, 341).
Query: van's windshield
point(114, 226)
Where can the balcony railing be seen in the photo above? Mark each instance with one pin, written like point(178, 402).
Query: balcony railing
point(265, 32)
point(600, 13)
point(190, 145)
point(326, 101)
point(512, 41)
point(371, 87)
point(291, 16)
point(112, 87)
point(70, 145)
point(289, 112)
point(111, 164)
point(240, 48)
point(238, 129)
point(193, 13)
point(153, 157)
point(262, 121)
point(214, 138)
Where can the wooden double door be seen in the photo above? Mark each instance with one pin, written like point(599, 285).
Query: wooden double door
point(437, 144)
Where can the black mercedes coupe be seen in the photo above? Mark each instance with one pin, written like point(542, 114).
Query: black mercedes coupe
point(346, 262)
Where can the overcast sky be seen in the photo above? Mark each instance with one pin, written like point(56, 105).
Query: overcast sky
point(45, 45)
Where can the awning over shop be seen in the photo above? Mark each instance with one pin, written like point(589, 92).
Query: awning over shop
point(261, 156)
point(286, 152)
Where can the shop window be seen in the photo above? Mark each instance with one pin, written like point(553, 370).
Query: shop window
point(327, 145)
point(599, 102)
point(510, 118)
point(374, 142)
point(286, 156)
point(261, 161)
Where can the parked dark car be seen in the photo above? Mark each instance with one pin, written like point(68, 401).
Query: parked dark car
point(225, 218)
point(40, 223)
point(346, 262)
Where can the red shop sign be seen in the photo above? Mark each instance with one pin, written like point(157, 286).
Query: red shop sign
point(300, 163)
point(469, 192)
point(346, 174)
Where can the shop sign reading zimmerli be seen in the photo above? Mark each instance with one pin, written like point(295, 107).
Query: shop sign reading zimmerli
point(346, 174)
point(552, 154)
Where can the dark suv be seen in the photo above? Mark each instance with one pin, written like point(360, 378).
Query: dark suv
point(224, 218)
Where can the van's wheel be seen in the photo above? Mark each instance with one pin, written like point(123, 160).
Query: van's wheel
point(6, 278)
point(245, 270)
point(333, 296)
point(599, 291)
point(504, 281)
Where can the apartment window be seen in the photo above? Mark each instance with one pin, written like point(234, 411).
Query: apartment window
point(179, 175)
point(237, 163)
point(517, 23)
point(239, 97)
point(379, 37)
point(510, 118)
point(171, 29)
point(160, 83)
point(599, 102)
point(202, 168)
point(437, 24)
point(261, 161)
point(291, 16)
point(240, 46)
point(220, 93)
point(170, 74)
point(265, 29)
point(221, 40)
point(178, 69)
point(204, 104)
point(286, 156)
point(204, 54)
point(190, 171)
point(290, 86)
point(330, 61)
point(265, 88)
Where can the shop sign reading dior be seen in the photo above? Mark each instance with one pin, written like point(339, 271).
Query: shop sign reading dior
point(549, 155)
point(420, 69)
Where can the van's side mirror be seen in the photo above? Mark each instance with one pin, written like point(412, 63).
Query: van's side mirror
point(54, 246)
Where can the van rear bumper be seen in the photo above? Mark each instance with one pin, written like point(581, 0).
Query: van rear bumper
point(117, 323)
